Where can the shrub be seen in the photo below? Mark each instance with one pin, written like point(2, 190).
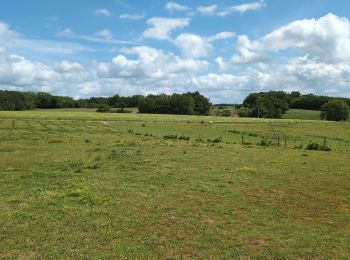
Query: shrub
point(170, 137)
point(244, 113)
point(317, 147)
point(265, 142)
point(226, 113)
point(122, 110)
point(185, 138)
point(335, 110)
point(103, 108)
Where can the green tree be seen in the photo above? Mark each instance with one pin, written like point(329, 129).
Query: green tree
point(335, 110)
point(104, 108)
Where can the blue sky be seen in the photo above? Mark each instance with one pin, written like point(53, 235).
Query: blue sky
point(224, 49)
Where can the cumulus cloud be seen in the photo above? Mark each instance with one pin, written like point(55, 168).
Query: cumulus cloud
point(192, 45)
point(160, 28)
point(172, 6)
point(66, 66)
point(6, 35)
point(324, 62)
point(325, 39)
point(150, 64)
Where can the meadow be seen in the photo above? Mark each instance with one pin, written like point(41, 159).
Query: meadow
point(81, 184)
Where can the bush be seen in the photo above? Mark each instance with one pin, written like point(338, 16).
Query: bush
point(185, 138)
point(313, 146)
point(244, 113)
point(121, 110)
point(265, 142)
point(104, 108)
point(226, 113)
point(170, 137)
point(335, 110)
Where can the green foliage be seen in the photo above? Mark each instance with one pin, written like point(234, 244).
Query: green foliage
point(121, 110)
point(313, 146)
point(104, 108)
point(182, 104)
point(274, 104)
point(271, 104)
point(226, 113)
point(170, 137)
point(335, 110)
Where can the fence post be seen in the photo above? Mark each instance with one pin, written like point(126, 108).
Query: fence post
point(285, 141)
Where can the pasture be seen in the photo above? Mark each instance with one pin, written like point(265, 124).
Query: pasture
point(90, 185)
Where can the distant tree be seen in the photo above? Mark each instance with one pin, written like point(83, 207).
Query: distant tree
point(104, 108)
point(184, 104)
point(201, 103)
point(181, 104)
point(272, 104)
point(335, 110)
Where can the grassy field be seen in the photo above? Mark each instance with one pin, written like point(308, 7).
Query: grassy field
point(302, 114)
point(90, 185)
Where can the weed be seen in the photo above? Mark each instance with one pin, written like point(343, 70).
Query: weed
point(265, 142)
point(317, 147)
point(170, 137)
point(185, 138)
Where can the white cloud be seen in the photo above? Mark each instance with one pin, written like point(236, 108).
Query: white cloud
point(127, 16)
point(221, 36)
point(66, 67)
point(194, 46)
point(326, 39)
point(207, 10)
point(242, 8)
point(22, 72)
point(105, 34)
point(246, 55)
point(323, 68)
point(150, 64)
point(162, 27)
point(102, 12)
point(172, 6)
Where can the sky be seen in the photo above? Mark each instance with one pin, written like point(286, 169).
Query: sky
point(223, 49)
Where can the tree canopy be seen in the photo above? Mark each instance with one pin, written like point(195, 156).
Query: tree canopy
point(183, 104)
point(274, 104)
point(335, 110)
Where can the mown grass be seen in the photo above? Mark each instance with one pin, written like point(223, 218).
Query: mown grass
point(89, 185)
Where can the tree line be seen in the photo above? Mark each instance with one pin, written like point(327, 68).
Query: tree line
point(15, 100)
point(188, 103)
point(274, 104)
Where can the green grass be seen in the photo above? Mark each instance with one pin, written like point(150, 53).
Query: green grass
point(302, 114)
point(90, 185)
